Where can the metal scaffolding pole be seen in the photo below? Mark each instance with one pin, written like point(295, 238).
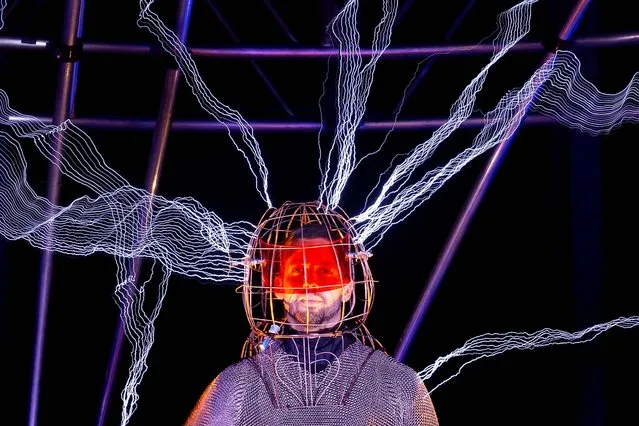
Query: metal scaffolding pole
point(258, 70)
point(610, 40)
point(410, 89)
point(67, 54)
point(162, 128)
point(471, 206)
point(132, 124)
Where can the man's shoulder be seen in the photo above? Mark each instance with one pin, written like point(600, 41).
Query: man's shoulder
point(232, 378)
point(219, 403)
point(239, 369)
point(387, 363)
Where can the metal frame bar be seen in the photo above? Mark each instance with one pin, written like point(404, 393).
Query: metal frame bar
point(274, 126)
point(162, 127)
point(65, 95)
point(258, 70)
point(279, 20)
point(610, 40)
point(471, 206)
point(429, 62)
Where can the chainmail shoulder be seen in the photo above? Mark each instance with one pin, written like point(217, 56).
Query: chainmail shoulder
point(361, 386)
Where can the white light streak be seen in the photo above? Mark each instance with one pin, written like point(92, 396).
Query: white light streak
point(3, 5)
point(119, 220)
point(139, 328)
point(376, 219)
point(578, 104)
point(557, 89)
point(492, 344)
point(222, 113)
point(353, 86)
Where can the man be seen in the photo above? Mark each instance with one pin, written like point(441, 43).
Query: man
point(312, 368)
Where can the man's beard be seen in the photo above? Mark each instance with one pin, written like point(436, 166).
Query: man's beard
point(315, 316)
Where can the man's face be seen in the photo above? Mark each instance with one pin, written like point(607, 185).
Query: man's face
point(314, 282)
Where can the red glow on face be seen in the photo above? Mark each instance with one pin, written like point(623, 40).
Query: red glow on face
point(315, 268)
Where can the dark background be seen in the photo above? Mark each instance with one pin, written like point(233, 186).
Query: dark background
point(553, 243)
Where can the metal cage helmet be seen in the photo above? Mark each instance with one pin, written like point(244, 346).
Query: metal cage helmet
point(305, 275)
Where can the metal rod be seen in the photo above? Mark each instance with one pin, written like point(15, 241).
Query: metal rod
point(610, 40)
point(469, 210)
point(64, 94)
point(279, 20)
point(256, 67)
point(161, 132)
point(76, 66)
point(266, 126)
point(405, 7)
point(430, 61)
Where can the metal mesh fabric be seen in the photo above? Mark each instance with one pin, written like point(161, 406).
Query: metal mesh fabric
point(361, 386)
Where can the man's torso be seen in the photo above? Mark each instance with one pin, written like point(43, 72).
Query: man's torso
point(356, 388)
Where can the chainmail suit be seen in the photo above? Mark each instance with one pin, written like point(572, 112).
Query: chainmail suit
point(280, 387)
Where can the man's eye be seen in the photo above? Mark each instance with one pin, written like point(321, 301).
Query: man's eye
point(326, 271)
point(297, 270)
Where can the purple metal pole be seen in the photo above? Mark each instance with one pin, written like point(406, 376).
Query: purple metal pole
point(415, 83)
point(254, 64)
point(407, 5)
point(72, 19)
point(162, 128)
point(610, 40)
point(279, 20)
point(401, 52)
point(469, 210)
point(241, 53)
point(76, 66)
point(14, 43)
point(265, 126)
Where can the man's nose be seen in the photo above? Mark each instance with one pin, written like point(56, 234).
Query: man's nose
point(309, 283)
point(309, 278)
